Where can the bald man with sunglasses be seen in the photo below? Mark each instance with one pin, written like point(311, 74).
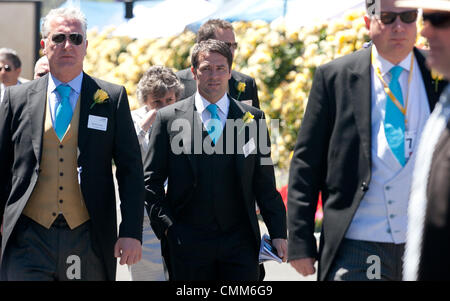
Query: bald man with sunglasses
point(357, 146)
point(428, 237)
point(59, 136)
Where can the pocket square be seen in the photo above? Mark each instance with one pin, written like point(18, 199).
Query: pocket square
point(249, 147)
point(247, 102)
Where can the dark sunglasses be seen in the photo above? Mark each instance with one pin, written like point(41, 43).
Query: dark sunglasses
point(407, 17)
point(232, 45)
point(41, 74)
point(74, 38)
point(438, 20)
point(6, 67)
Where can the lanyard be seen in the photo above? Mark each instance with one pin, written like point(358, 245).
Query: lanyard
point(389, 92)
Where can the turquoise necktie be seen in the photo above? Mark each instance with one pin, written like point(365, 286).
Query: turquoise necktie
point(63, 111)
point(394, 120)
point(214, 125)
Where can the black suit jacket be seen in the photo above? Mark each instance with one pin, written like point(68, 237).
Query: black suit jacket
point(21, 131)
point(333, 155)
point(257, 181)
point(250, 93)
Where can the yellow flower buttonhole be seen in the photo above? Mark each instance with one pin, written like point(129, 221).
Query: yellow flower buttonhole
point(99, 97)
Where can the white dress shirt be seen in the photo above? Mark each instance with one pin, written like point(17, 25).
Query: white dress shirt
point(2, 91)
point(223, 106)
point(382, 213)
point(138, 116)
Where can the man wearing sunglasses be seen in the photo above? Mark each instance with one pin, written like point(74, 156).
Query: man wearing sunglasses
point(223, 31)
point(428, 238)
point(357, 146)
point(10, 68)
point(59, 135)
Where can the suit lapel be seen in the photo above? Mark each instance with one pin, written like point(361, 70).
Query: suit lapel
point(37, 100)
point(360, 95)
point(237, 112)
point(193, 140)
point(88, 88)
point(231, 84)
point(432, 94)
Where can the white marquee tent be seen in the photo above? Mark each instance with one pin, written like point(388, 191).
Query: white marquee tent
point(159, 18)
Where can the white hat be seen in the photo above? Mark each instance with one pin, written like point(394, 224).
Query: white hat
point(425, 4)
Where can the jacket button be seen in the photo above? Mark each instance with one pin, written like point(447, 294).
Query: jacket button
point(364, 186)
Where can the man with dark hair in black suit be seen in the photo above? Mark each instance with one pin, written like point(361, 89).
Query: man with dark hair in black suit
point(222, 30)
point(215, 172)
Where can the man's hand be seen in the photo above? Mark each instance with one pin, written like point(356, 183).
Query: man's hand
point(280, 245)
point(304, 266)
point(129, 250)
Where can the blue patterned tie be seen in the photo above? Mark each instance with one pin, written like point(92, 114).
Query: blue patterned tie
point(394, 120)
point(214, 125)
point(63, 111)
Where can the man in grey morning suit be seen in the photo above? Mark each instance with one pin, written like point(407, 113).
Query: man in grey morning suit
point(58, 137)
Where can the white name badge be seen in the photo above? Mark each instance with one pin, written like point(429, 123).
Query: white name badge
point(249, 147)
point(410, 140)
point(97, 123)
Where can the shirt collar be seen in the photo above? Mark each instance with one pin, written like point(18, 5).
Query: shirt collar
point(386, 66)
point(201, 103)
point(75, 83)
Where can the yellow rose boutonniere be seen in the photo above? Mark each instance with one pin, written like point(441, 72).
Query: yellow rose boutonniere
point(241, 88)
point(436, 76)
point(99, 97)
point(248, 117)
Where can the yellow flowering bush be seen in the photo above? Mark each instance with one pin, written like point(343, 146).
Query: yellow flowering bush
point(282, 61)
point(123, 61)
